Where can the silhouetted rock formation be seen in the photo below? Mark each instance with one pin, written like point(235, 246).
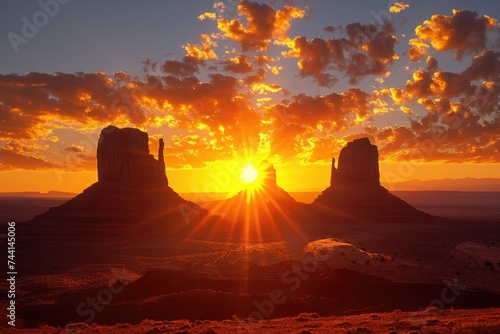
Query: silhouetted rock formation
point(358, 164)
point(123, 155)
point(333, 173)
point(132, 186)
point(355, 188)
point(269, 175)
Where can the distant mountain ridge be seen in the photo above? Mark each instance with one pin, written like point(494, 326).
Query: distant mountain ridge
point(50, 194)
point(463, 184)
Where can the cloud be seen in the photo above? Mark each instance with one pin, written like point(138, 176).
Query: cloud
point(31, 103)
point(464, 32)
point(187, 67)
point(367, 50)
point(264, 23)
point(336, 112)
point(207, 15)
point(17, 147)
point(10, 160)
point(202, 51)
point(240, 64)
point(485, 66)
point(317, 56)
point(435, 82)
point(74, 149)
point(398, 7)
point(299, 124)
point(418, 49)
point(378, 41)
point(462, 118)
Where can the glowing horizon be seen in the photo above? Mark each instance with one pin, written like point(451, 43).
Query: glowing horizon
point(291, 89)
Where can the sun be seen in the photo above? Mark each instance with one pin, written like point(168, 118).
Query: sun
point(249, 174)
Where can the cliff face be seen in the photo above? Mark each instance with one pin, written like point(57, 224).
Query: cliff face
point(123, 155)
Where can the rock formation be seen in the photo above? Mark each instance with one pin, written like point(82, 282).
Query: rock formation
point(333, 173)
point(355, 188)
point(358, 164)
point(123, 156)
point(132, 187)
point(269, 175)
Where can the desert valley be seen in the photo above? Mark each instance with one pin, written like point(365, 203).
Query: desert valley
point(129, 254)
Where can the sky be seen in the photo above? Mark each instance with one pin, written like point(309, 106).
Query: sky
point(228, 83)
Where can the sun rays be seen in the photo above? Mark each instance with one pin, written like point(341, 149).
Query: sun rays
point(261, 211)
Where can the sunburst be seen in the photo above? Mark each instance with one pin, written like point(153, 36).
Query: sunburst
point(249, 174)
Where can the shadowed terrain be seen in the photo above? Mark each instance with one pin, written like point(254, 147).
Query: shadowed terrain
point(130, 248)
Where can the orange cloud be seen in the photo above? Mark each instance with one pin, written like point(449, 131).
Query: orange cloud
point(397, 95)
point(398, 7)
point(434, 82)
point(33, 101)
point(207, 15)
point(203, 51)
point(333, 112)
point(418, 49)
point(264, 23)
point(463, 31)
point(282, 23)
point(74, 149)
point(17, 147)
point(406, 110)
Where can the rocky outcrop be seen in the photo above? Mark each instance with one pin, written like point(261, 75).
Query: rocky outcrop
point(123, 156)
point(355, 188)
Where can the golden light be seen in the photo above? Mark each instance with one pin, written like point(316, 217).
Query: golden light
point(249, 174)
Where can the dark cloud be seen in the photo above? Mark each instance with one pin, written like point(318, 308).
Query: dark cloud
point(73, 149)
point(187, 67)
point(240, 64)
point(10, 160)
point(317, 57)
point(367, 50)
